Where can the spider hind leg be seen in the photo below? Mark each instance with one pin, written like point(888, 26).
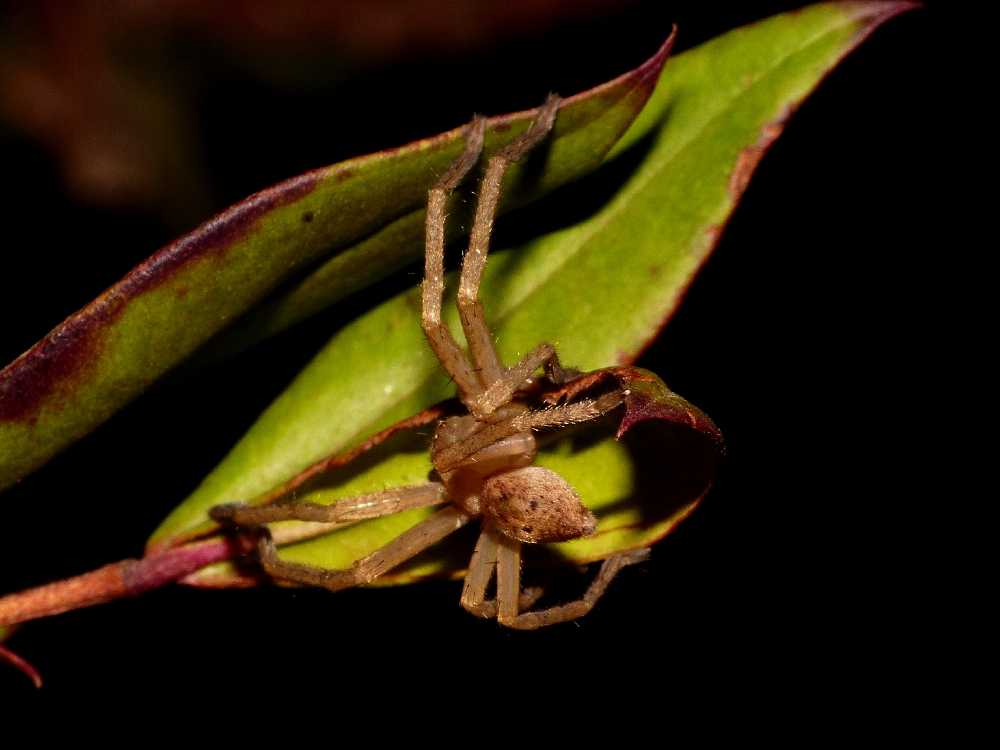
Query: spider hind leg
point(500, 555)
point(508, 585)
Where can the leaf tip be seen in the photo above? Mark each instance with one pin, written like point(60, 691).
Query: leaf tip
point(648, 73)
point(874, 13)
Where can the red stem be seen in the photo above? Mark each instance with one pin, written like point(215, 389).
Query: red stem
point(21, 664)
point(114, 581)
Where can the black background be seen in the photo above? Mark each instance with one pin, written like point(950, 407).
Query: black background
point(798, 338)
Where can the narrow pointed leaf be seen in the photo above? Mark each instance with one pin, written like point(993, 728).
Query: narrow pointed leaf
point(599, 290)
point(359, 216)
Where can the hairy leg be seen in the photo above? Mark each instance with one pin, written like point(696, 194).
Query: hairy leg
point(556, 416)
point(346, 510)
point(452, 357)
point(503, 388)
point(477, 333)
point(408, 544)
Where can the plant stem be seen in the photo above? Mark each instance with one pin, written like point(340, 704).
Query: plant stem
point(20, 664)
point(124, 578)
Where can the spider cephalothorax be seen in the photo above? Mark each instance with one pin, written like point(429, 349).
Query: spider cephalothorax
point(484, 459)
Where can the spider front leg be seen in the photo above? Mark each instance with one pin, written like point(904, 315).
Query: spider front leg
point(451, 456)
point(486, 369)
point(477, 332)
point(448, 352)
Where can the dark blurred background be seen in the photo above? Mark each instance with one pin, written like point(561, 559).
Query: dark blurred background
point(123, 125)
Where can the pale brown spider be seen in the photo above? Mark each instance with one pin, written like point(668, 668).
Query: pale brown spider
point(484, 459)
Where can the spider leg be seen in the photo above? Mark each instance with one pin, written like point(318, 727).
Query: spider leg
point(488, 609)
point(477, 333)
point(408, 544)
point(501, 391)
point(508, 579)
point(503, 388)
point(452, 358)
point(481, 569)
point(508, 583)
point(347, 510)
point(557, 416)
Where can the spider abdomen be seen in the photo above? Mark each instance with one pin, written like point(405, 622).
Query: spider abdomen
point(535, 505)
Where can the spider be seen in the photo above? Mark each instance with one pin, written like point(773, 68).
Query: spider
point(483, 459)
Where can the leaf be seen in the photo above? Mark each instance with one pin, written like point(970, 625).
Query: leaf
point(686, 468)
point(599, 290)
point(358, 215)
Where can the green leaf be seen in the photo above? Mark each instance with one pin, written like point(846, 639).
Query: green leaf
point(358, 217)
point(599, 290)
